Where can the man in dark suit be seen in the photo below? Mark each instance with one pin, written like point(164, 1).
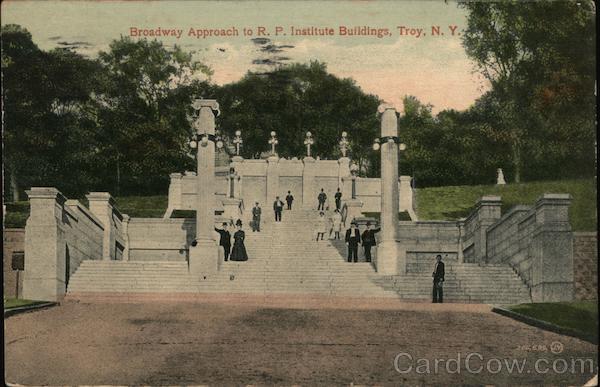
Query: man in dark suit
point(352, 240)
point(278, 208)
point(322, 198)
point(438, 280)
point(256, 211)
point(225, 240)
point(368, 240)
point(289, 199)
point(338, 200)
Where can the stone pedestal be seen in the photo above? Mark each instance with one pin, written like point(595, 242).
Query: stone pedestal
point(204, 258)
point(353, 210)
point(174, 199)
point(272, 178)
point(343, 174)
point(231, 209)
point(551, 250)
point(102, 204)
point(309, 198)
point(126, 247)
point(44, 274)
point(387, 249)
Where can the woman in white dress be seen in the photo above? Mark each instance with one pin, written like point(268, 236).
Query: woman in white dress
point(336, 224)
point(322, 224)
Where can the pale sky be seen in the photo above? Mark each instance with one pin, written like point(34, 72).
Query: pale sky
point(434, 68)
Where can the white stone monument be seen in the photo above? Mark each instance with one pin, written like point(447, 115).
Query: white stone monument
point(500, 177)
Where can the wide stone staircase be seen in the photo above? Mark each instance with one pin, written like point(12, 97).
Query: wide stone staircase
point(285, 259)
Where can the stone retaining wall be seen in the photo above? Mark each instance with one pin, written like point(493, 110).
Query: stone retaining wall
point(13, 241)
point(585, 265)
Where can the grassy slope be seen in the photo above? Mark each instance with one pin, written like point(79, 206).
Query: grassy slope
point(578, 315)
point(438, 203)
point(10, 303)
point(455, 202)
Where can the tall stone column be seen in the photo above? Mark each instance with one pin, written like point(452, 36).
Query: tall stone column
point(389, 261)
point(204, 255)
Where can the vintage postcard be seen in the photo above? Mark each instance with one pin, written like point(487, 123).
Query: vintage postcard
point(299, 192)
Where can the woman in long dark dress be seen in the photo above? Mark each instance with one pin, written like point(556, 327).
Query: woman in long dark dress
point(238, 252)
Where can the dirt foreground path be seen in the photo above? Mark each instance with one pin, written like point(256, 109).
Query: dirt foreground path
point(286, 341)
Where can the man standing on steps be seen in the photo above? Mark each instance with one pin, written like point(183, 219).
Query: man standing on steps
point(352, 241)
point(338, 199)
point(368, 240)
point(225, 240)
point(256, 211)
point(438, 280)
point(321, 198)
point(278, 208)
point(289, 199)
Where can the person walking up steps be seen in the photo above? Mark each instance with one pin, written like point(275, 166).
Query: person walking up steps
point(289, 200)
point(338, 200)
point(336, 224)
point(368, 240)
point(352, 240)
point(278, 208)
point(321, 198)
point(321, 225)
point(256, 211)
point(238, 253)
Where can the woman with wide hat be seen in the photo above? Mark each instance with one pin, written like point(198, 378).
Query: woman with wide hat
point(238, 252)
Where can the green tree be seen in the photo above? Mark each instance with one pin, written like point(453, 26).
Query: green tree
point(146, 99)
point(48, 115)
point(294, 99)
point(539, 58)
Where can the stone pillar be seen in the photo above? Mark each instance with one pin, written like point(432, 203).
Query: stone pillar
point(45, 251)
point(126, 220)
point(102, 205)
point(487, 211)
point(204, 255)
point(551, 250)
point(388, 260)
point(309, 198)
point(343, 172)
point(272, 179)
point(174, 200)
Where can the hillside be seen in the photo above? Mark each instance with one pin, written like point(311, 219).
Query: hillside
point(437, 203)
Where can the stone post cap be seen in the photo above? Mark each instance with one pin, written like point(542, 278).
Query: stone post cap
point(126, 218)
point(385, 106)
point(309, 159)
point(405, 178)
point(100, 196)
point(554, 198)
point(489, 200)
point(211, 103)
point(45, 193)
point(175, 175)
point(353, 203)
point(344, 160)
point(273, 158)
point(237, 159)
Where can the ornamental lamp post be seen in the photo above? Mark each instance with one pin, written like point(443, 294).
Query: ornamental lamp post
point(273, 141)
point(237, 140)
point(308, 142)
point(344, 144)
